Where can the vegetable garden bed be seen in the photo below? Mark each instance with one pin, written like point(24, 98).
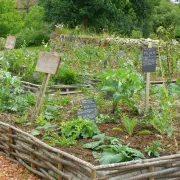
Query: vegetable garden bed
point(51, 163)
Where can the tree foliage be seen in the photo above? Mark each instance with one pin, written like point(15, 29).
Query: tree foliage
point(10, 19)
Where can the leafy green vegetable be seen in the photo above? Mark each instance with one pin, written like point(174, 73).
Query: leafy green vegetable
point(113, 150)
point(129, 124)
point(79, 128)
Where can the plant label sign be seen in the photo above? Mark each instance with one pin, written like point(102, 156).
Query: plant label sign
point(149, 60)
point(48, 63)
point(89, 114)
point(10, 42)
point(89, 109)
point(88, 103)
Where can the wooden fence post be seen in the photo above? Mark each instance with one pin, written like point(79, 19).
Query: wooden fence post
point(10, 140)
point(33, 156)
point(151, 169)
point(60, 167)
point(93, 174)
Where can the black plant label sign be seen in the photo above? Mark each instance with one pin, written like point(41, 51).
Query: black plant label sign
point(149, 60)
point(89, 109)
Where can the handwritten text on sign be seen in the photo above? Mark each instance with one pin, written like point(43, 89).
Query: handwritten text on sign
point(89, 109)
point(149, 60)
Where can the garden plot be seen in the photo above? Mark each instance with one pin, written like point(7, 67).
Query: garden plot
point(123, 130)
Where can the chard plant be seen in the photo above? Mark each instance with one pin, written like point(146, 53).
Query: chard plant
point(125, 83)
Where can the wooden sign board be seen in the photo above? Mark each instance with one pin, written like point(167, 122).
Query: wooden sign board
point(149, 60)
point(48, 63)
point(10, 42)
point(89, 109)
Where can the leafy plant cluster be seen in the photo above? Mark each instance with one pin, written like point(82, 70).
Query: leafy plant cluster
point(112, 150)
point(69, 131)
point(161, 116)
point(22, 63)
point(13, 98)
point(124, 83)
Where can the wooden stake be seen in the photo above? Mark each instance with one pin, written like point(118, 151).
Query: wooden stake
point(147, 90)
point(147, 84)
point(41, 94)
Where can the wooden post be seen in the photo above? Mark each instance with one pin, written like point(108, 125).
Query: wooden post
point(11, 140)
point(93, 174)
point(151, 169)
point(60, 167)
point(33, 156)
point(147, 90)
point(147, 85)
point(42, 93)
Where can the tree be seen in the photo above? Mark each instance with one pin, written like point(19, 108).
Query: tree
point(166, 15)
point(89, 13)
point(10, 19)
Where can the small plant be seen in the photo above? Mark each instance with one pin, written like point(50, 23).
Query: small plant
point(153, 149)
point(144, 132)
point(129, 124)
point(105, 118)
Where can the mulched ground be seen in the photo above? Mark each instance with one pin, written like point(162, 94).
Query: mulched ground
point(13, 171)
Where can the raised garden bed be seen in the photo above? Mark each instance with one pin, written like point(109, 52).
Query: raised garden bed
point(51, 163)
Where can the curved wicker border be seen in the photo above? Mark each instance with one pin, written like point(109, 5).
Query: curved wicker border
point(54, 164)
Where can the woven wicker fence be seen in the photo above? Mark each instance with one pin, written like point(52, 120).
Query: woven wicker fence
point(54, 164)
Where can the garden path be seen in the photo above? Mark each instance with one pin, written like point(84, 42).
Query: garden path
point(13, 171)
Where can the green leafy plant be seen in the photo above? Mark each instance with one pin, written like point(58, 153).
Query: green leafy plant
point(113, 150)
point(153, 149)
point(161, 118)
point(124, 83)
point(129, 124)
point(66, 76)
point(79, 128)
point(105, 118)
point(13, 98)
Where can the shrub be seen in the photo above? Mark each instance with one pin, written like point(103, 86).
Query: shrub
point(31, 37)
point(136, 34)
point(66, 76)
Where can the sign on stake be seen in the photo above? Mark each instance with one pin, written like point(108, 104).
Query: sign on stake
point(49, 64)
point(148, 65)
